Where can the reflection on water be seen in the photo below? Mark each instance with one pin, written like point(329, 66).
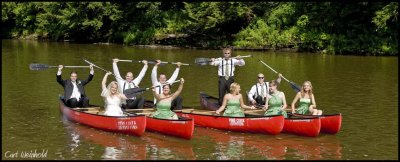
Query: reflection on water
point(123, 147)
point(238, 146)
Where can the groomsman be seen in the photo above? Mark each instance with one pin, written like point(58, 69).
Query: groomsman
point(74, 91)
point(226, 68)
point(162, 79)
point(130, 85)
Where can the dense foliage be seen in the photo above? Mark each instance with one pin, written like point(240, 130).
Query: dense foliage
point(324, 27)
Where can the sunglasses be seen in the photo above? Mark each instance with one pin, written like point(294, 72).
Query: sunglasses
point(227, 53)
point(260, 77)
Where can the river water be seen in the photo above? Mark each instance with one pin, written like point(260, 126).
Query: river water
point(363, 89)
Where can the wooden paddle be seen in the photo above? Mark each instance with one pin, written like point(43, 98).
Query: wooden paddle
point(155, 62)
point(206, 61)
point(35, 66)
point(293, 85)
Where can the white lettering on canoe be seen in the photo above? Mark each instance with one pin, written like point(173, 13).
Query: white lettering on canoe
point(126, 125)
point(236, 122)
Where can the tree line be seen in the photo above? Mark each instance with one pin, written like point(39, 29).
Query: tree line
point(364, 28)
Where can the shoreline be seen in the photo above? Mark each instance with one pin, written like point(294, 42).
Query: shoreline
point(160, 46)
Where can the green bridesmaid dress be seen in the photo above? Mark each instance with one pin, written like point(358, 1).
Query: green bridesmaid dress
point(163, 111)
point(233, 109)
point(304, 104)
point(275, 106)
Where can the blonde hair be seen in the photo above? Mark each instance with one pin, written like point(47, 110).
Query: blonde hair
point(273, 82)
point(233, 88)
point(310, 92)
point(108, 94)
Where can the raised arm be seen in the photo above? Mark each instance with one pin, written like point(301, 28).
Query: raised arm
point(141, 74)
point(154, 73)
point(59, 78)
point(279, 79)
point(103, 82)
point(243, 105)
point(296, 98)
point(117, 74)
point(157, 96)
point(223, 105)
point(176, 94)
point(175, 74)
point(90, 77)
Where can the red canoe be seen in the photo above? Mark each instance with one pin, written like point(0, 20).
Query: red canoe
point(330, 123)
point(133, 125)
point(183, 127)
point(254, 124)
point(305, 126)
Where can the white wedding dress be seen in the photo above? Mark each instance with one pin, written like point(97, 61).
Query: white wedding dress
point(112, 105)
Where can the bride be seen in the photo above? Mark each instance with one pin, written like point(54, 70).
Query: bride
point(113, 98)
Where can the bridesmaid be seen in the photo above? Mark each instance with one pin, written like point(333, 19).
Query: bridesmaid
point(164, 101)
point(233, 101)
point(276, 101)
point(307, 101)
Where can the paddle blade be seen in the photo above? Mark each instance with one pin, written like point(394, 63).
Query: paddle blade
point(202, 61)
point(295, 87)
point(38, 66)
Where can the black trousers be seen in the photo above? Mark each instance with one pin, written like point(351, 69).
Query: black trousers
point(134, 104)
point(73, 102)
point(260, 100)
point(223, 87)
point(177, 103)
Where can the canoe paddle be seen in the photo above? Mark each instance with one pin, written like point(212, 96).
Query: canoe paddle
point(136, 91)
point(205, 61)
point(154, 62)
point(101, 68)
point(35, 66)
point(292, 84)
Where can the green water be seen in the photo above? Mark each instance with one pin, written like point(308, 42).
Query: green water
point(363, 89)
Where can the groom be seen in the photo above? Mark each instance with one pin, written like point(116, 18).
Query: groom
point(74, 92)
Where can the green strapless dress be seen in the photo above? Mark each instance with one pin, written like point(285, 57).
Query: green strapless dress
point(233, 109)
point(163, 111)
point(275, 106)
point(304, 104)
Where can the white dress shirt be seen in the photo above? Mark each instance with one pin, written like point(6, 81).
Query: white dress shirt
point(123, 84)
point(155, 81)
point(75, 92)
point(230, 64)
point(257, 88)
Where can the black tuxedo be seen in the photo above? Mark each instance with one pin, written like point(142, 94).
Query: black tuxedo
point(69, 87)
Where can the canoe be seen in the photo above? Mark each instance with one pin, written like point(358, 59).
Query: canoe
point(183, 127)
point(305, 126)
point(92, 116)
point(209, 102)
point(330, 123)
point(253, 124)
